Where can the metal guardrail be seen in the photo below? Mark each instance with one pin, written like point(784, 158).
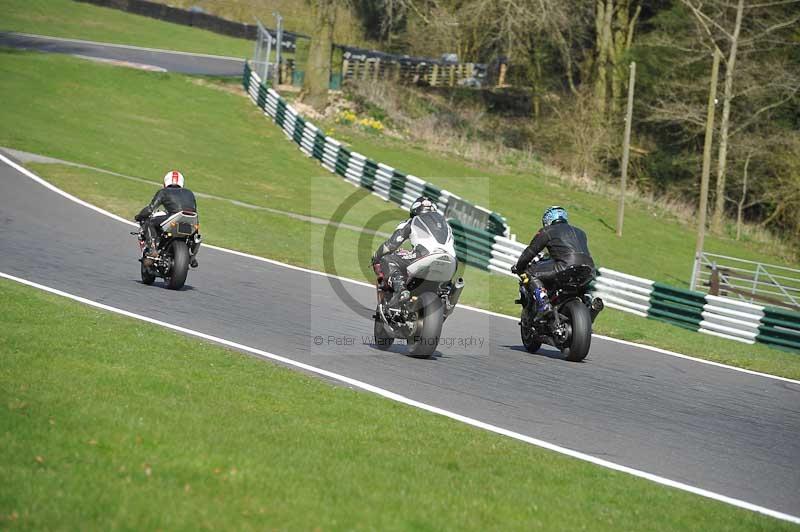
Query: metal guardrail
point(382, 180)
point(747, 280)
point(708, 314)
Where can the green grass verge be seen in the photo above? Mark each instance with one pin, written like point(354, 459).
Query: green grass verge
point(70, 19)
point(101, 416)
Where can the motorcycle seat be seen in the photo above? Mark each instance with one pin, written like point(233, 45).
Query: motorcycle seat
point(575, 277)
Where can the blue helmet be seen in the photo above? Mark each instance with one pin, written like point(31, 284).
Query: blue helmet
point(554, 214)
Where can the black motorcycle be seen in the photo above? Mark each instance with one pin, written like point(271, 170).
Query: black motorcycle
point(177, 245)
point(569, 326)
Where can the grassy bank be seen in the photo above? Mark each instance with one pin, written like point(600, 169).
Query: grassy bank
point(76, 20)
point(94, 431)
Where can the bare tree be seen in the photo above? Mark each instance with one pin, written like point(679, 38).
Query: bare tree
point(615, 22)
point(720, 25)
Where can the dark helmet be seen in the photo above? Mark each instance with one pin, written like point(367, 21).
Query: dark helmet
point(421, 205)
point(554, 214)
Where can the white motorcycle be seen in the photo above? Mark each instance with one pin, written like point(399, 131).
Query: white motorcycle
point(433, 294)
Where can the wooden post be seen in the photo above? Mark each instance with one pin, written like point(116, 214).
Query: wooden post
point(713, 286)
point(626, 149)
point(501, 80)
point(712, 100)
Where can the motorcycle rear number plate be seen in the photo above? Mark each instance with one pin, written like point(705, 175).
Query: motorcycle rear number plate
point(184, 228)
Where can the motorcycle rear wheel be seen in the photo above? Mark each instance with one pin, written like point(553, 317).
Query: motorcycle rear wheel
point(429, 327)
point(180, 265)
point(581, 338)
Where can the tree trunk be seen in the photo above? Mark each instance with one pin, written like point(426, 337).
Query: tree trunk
point(566, 55)
point(623, 38)
point(537, 89)
point(318, 70)
point(740, 206)
point(604, 10)
point(719, 201)
point(617, 49)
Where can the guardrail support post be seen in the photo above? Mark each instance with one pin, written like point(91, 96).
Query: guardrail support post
point(695, 271)
point(714, 281)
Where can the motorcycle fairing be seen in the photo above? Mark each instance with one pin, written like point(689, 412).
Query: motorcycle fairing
point(437, 266)
point(182, 223)
point(432, 232)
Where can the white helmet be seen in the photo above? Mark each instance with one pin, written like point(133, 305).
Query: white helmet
point(173, 178)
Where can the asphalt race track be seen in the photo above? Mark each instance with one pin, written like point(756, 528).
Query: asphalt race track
point(715, 428)
point(182, 62)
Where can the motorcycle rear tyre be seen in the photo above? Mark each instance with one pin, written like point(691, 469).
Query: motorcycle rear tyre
point(581, 338)
point(424, 343)
point(180, 265)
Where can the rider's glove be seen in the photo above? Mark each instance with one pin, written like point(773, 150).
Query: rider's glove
point(138, 217)
point(514, 269)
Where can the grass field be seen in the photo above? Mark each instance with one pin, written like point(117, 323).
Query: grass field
point(143, 123)
point(101, 416)
point(70, 19)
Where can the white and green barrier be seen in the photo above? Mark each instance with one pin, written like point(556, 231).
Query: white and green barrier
point(481, 240)
point(697, 311)
point(382, 180)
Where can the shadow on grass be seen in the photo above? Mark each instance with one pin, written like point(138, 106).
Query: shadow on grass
point(603, 222)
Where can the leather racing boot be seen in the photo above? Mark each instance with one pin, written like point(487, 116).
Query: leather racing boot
point(399, 293)
point(543, 306)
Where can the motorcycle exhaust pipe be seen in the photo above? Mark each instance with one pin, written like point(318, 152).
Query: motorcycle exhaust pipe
point(597, 306)
point(455, 294)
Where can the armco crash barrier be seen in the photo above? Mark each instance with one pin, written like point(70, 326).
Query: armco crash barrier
point(383, 180)
point(780, 328)
point(697, 311)
point(490, 250)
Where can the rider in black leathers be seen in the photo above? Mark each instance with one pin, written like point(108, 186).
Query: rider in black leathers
point(173, 198)
point(391, 261)
point(567, 246)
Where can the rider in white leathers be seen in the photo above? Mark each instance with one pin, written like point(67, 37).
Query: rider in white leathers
point(428, 231)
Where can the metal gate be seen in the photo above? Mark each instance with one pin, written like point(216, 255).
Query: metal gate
point(747, 280)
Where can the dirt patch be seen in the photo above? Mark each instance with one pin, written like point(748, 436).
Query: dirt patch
point(223, 87)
